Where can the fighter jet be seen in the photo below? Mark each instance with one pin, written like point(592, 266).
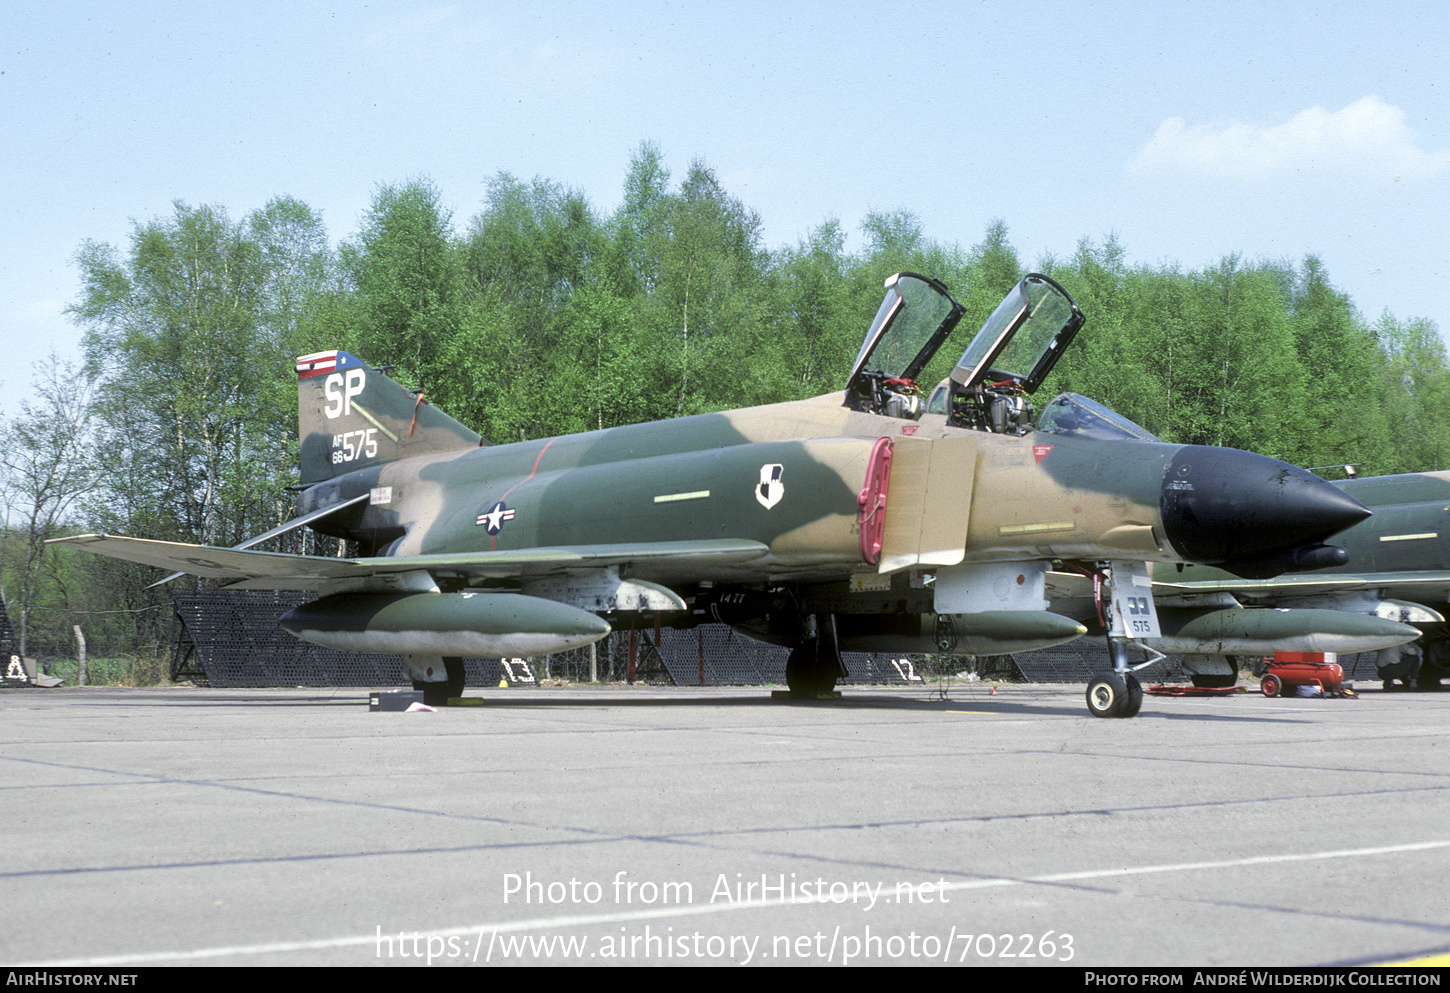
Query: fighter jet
point(849, 521)
point(1398, 568)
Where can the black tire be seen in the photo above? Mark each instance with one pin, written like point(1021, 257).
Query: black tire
point(1134, 701)
point(434, 694)
point(438, 694)
point(453, 665)
point(1271, 685)
point(1107, 695)
point(806, 673)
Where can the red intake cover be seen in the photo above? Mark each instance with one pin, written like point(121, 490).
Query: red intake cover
point(871, 503)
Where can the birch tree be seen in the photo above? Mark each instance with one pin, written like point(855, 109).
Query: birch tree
point(50, 465)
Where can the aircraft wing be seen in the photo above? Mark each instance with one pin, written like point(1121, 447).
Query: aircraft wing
point(1068, 586)
point(278, 571)
point(1430, 584)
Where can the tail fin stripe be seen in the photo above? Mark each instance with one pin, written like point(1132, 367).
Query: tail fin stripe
point(376, 423)
point(321, 363)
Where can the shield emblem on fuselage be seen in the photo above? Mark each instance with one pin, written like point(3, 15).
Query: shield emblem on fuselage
point(770, 489)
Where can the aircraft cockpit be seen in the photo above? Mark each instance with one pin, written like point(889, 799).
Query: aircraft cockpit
point(1073, 415)
point(913, 320)
point(1010, 357)
point(1005, 363)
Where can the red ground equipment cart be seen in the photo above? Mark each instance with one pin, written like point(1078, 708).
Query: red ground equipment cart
point(1291, 670)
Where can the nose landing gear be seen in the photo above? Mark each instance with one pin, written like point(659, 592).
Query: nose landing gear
point(815, 664)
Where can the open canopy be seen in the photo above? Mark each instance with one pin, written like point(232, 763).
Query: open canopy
point(912, 322)
point(1024, 337)
point(1019, 343)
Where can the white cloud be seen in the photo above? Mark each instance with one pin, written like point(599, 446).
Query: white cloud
point(1368, 138)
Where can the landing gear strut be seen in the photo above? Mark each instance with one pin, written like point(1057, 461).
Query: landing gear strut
point(815, 664)
point(1130, 619)
point(437, 694)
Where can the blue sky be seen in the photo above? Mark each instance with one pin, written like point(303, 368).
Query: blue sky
point(1191, 131)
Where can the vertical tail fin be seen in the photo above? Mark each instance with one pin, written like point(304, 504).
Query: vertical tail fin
point(350, 416)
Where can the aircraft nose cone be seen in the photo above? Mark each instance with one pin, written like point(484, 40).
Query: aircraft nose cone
point(1222, 505)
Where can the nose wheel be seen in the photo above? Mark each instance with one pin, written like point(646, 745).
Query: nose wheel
point(437, 694)
point(1115, 695)
point(815, 664)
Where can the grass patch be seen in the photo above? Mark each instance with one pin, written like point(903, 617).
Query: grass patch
point(116, 670)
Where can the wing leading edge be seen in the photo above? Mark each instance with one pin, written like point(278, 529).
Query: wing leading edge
point(246, 569)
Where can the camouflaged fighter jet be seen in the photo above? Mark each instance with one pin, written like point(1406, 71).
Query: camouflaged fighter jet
point(1398, 569)
point(845, 522)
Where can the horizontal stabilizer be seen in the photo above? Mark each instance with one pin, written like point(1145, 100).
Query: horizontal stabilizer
point(281, 529)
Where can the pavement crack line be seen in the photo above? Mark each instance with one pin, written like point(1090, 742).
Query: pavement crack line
point(694, 839)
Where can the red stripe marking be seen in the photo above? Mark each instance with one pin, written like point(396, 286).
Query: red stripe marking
point(493, 538)
point(532, 472)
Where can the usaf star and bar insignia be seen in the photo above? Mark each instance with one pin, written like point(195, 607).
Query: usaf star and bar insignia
point(492, 521)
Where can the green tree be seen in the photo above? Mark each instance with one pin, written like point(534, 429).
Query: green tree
point(1243, 383)
point(1110, 361)
point(691, 269)
point(529, 359)
point(407, 277)
point(299, 269)
point(634, 266)
point(818, 310)
point(50, 464)
point(1343, 409)
point(1416, 393)
point(175, 334)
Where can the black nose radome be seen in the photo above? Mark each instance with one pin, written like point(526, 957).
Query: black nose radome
point(1222, 505)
